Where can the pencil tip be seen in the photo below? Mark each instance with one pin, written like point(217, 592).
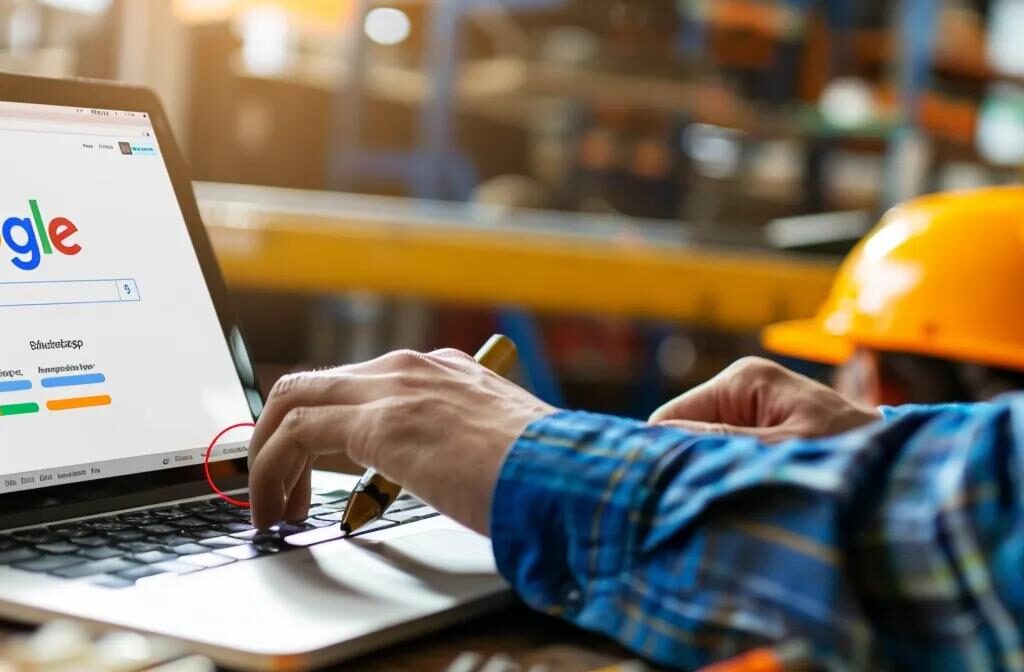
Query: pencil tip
point(346, 529)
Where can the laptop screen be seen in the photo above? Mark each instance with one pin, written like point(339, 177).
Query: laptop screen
point(112, 358)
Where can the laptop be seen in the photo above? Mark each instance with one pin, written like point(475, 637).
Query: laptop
point(120, 361)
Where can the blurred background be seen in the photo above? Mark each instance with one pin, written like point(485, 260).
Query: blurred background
point(628, 188)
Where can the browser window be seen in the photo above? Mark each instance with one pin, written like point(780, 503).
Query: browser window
point(112, 359)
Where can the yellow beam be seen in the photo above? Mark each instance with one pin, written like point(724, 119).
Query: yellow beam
point(290, 249)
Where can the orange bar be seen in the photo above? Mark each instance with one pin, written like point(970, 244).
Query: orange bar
point(759, 660)
point(79, 402)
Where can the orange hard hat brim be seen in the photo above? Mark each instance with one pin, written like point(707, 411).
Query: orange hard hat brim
point(806, 339)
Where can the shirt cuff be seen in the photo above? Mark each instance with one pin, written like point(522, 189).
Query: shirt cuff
point(560, 518)
point(891, 414)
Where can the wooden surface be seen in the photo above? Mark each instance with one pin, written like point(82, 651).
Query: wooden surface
point(325, 243)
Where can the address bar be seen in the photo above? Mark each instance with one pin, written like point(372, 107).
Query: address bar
point(67, 292)
point(72, 128)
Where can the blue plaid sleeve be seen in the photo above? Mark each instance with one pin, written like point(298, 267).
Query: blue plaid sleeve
point(899, 545)
point(893, 413)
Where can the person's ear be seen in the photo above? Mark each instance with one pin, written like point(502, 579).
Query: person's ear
point(861, 379)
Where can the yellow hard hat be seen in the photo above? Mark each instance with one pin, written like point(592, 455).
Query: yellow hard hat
point(941, 275)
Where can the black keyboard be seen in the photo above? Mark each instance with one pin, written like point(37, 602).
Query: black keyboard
point(117, 550)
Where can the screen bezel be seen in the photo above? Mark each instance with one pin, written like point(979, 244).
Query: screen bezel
point(51, 503)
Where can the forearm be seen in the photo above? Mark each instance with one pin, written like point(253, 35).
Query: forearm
point(663, 540)
point(689, 548)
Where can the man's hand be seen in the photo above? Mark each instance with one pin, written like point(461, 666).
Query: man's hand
point(759, 398)
point(439, 424)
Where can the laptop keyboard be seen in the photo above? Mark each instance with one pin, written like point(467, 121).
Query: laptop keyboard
point(118, 550)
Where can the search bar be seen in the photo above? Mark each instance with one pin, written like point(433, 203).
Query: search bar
point(67, 292)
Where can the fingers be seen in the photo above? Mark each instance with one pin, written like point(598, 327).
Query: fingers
point(765, 434)
point(278, 482)
point(734, 396)
point(305, 390)
point(700, 404)
point(346, 385)
point(299, 495)
point(313, 413)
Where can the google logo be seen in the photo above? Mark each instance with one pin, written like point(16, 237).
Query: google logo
point(29, 239)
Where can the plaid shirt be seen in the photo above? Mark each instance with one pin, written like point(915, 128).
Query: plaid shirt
point(900, 545)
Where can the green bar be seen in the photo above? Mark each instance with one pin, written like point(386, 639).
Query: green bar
point(44, 239)
point(19, 409)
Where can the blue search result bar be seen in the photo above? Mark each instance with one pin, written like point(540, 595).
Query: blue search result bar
point(67, 292)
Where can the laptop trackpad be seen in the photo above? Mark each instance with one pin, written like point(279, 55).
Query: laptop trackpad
point(445, 551)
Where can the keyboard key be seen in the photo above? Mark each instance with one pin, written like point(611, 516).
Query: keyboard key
point(6, 543)
point(159, 528)
point(150, 557)
point(321, 511)
point(247, 534)
point(238, 527)
point(138, 518)
point(207, 560)
point(58, 548)
point(316, 522)
point(189, 549)
point(171, 539)
point(317, 536)
point(206, 533)
point(333, 531)
point(36, 535)
point(218, 517)
point(240, 552)
point(170, 513)
point(108, 566)
point(72, 531)
point(140, 572)
point(111, 581)
point(102, 553)
point(205, 506)
point(140, 546)
point(224, 505)
point(411, 515)
point(328, 497)
point(288, 529)
point(404, 506)
point(190, 523)
point(48, 563)
point(91, 542)
point(127, 535)
point(221, 542)
point(177, 567)
point(108, 525)
point(17, 555)
point(274, 533)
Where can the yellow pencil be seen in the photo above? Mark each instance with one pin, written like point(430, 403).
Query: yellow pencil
point(374, 493)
